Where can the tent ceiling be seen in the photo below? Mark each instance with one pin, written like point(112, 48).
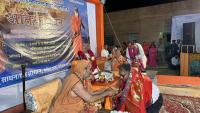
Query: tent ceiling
point(117, 5)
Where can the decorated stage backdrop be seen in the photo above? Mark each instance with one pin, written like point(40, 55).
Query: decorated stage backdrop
point(39, 34)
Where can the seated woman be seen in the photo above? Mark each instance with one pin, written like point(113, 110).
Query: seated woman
point(74, 95)
point(138, 93)
point(117, 60)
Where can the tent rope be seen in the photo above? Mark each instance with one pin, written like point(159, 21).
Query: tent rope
point(112, 28)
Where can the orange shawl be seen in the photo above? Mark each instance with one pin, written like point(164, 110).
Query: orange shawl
point(139, 95)
point(66, 103)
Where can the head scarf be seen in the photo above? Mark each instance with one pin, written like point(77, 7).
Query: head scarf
point(80, 66)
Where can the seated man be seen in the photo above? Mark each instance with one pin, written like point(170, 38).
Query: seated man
point(74, 95)
point(175, 62)
point(105, 52)
point(138, 93)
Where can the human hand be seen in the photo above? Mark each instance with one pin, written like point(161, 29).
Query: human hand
point(111, 92)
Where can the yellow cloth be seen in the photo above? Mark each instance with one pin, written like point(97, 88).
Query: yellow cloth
point(102, 86)
point(45, 93)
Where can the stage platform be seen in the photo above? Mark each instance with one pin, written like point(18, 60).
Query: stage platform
point(182, 85)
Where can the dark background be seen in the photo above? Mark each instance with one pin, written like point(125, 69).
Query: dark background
point(117, 5)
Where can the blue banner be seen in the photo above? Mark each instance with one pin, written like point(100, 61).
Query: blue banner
point(42, 34)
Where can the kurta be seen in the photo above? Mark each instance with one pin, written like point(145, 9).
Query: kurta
point(66, 103)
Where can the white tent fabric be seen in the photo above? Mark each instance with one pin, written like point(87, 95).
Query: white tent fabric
point(177, 27)
point(91, 12)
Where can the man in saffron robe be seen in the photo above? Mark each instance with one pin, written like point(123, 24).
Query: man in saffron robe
point(138, 93)
point(153, 55)
point(74, 95)
point(76, 24)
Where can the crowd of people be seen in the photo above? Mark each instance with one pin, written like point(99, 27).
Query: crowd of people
point(157, 54)
point(134, 93)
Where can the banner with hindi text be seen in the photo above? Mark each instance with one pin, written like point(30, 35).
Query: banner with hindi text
point(40, 34)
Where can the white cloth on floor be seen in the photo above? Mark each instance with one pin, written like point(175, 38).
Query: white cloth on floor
point(155, 93)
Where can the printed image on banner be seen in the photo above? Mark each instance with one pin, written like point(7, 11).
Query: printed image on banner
point(45, 35)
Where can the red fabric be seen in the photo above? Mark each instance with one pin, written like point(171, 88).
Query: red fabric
point(141, 87)
point(147, 90)
point(152, 57)
point(90, 53)
point(94, 62)
point(180, 104)
point(82, 55)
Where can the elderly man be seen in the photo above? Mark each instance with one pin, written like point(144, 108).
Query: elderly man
point(138, 93)
point(74, 94)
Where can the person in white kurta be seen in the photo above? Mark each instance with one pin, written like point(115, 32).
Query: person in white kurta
point(141, 57)
point(105, 52)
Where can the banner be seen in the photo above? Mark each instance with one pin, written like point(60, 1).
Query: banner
point(44, 35)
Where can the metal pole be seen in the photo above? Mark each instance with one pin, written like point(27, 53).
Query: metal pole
point(23, 66)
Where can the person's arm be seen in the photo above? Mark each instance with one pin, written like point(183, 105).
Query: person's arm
point(89, 89)
point(85, 95)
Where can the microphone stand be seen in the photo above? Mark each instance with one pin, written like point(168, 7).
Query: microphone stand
point(23, 66)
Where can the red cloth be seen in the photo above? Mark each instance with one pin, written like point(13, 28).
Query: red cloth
point(90, 52)
point(94, 62)
point(139, 95)
point(83, 56)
